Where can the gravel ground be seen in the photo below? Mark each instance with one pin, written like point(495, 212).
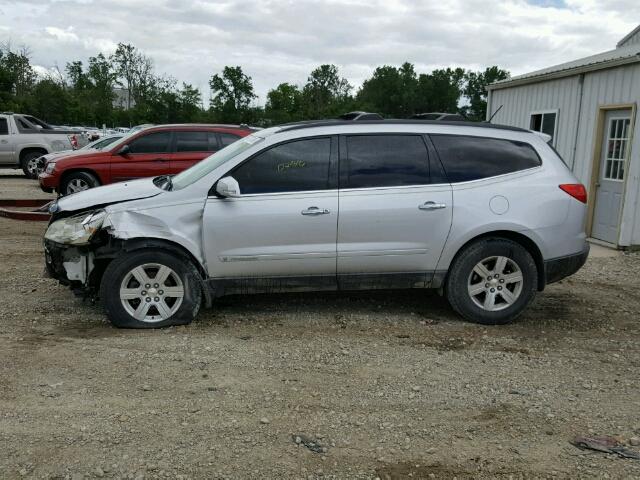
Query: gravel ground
point(359, 385)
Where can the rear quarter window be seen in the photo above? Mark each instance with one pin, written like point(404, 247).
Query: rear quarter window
point(467, 158)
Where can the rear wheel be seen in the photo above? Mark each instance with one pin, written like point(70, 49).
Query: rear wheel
point(492, 281)
point(78, 182)
point(150, 289)
point(29, 164)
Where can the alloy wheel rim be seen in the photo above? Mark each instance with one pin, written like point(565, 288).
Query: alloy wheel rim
point(32, 166)
point(495, 283)
point(151, 292)
point(77, 185)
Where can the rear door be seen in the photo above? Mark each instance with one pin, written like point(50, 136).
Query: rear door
point(148, 156)
point(395, 212)
point(191, 147)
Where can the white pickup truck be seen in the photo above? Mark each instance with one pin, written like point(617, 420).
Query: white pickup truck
point(24, 139)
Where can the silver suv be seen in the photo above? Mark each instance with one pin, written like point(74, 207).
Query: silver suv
point(486, 214)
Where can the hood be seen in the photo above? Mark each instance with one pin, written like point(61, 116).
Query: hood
point(55, 156)
point(107, 195)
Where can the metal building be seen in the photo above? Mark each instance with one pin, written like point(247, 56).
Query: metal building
point(589, 107)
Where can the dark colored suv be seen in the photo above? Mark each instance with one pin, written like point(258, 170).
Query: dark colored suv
point(152, 151)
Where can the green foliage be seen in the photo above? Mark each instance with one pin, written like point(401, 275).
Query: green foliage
point(476, 90)
point(85, 93)
point(232, 94)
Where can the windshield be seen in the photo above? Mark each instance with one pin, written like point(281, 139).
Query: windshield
point(101, 143)
point(209, 164)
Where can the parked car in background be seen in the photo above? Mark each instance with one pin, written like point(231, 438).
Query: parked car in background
point(99, 144)
point(488, 214)
point(149, 152)
point(25, 138)
point(448, 117)
point(359, 116)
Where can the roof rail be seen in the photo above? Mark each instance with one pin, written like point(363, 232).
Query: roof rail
point(332, 123)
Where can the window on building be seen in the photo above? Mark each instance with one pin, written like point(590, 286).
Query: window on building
point(291, 167)
point(468, 158)
point(545, 122)
point(385, 161)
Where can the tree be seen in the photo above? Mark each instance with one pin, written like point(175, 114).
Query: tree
point(390, 91)
point(325, 93)
point(476, 90)
point(190, 100)
point(102, 78)
point(231, 95)
point(17, 77)
point(283, 104)
point(439, 91)
point(135, 72)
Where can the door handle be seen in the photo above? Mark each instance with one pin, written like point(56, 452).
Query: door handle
point(313, 211)
point(4, 141)
point(432, 206)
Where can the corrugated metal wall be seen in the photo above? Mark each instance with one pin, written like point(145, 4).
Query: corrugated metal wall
point(632, 40)
point(605, 87)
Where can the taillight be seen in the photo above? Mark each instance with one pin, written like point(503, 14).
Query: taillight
point(576, 190)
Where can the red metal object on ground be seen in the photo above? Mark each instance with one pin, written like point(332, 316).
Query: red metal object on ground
point(40, 213)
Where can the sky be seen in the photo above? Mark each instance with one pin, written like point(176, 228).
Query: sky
point(282, 41)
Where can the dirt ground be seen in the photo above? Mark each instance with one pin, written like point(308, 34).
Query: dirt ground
point(358, 385)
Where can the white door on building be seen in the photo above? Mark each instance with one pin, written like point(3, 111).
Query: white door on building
point(610, 182)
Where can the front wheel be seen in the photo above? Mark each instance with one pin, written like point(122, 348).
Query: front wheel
point(78, 182)
point(150, 289)
point(492, 281)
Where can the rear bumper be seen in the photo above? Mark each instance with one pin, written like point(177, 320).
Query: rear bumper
point(558, 268)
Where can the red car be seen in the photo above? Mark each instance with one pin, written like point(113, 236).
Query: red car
point(158, 150)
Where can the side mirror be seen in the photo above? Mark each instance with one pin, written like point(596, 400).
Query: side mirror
point(124, 150)
point(228, 187)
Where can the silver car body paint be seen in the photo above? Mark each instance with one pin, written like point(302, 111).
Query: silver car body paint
point(378, 230)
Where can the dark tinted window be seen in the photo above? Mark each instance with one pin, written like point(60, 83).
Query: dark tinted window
point(471, 158)
point(151, 143)
point(227, 139)
point(192, 142)
point(4, 127)
point(385, 161)
point(290, 167)
point(213, 141)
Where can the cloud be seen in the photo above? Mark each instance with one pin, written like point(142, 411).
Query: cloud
point(283, 40)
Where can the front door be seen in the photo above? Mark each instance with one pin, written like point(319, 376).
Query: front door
point(149, 155)
point(6, 145)
point(394, 219)
point(284, 222)
point(610, 183)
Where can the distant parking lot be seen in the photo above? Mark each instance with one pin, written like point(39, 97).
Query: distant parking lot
point(350, 385)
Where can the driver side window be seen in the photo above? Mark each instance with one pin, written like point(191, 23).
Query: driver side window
point(301, 165)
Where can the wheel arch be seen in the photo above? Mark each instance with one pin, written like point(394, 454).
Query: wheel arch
point(117, 246)
point(65, 174)
point(525, 241)
point(27, 150)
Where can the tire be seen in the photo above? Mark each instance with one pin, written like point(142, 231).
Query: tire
point(29, 164)
point(485, 298)
point(78, 182)
point(162, 309)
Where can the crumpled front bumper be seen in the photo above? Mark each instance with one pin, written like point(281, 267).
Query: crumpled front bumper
point(69, 264)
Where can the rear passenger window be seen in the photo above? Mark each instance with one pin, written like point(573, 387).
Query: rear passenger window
point(227, 139)
point(192, 142)
point(385, 161)
point(151, 143)
point(290, 167)
point(466, 158)
point(4, 127)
